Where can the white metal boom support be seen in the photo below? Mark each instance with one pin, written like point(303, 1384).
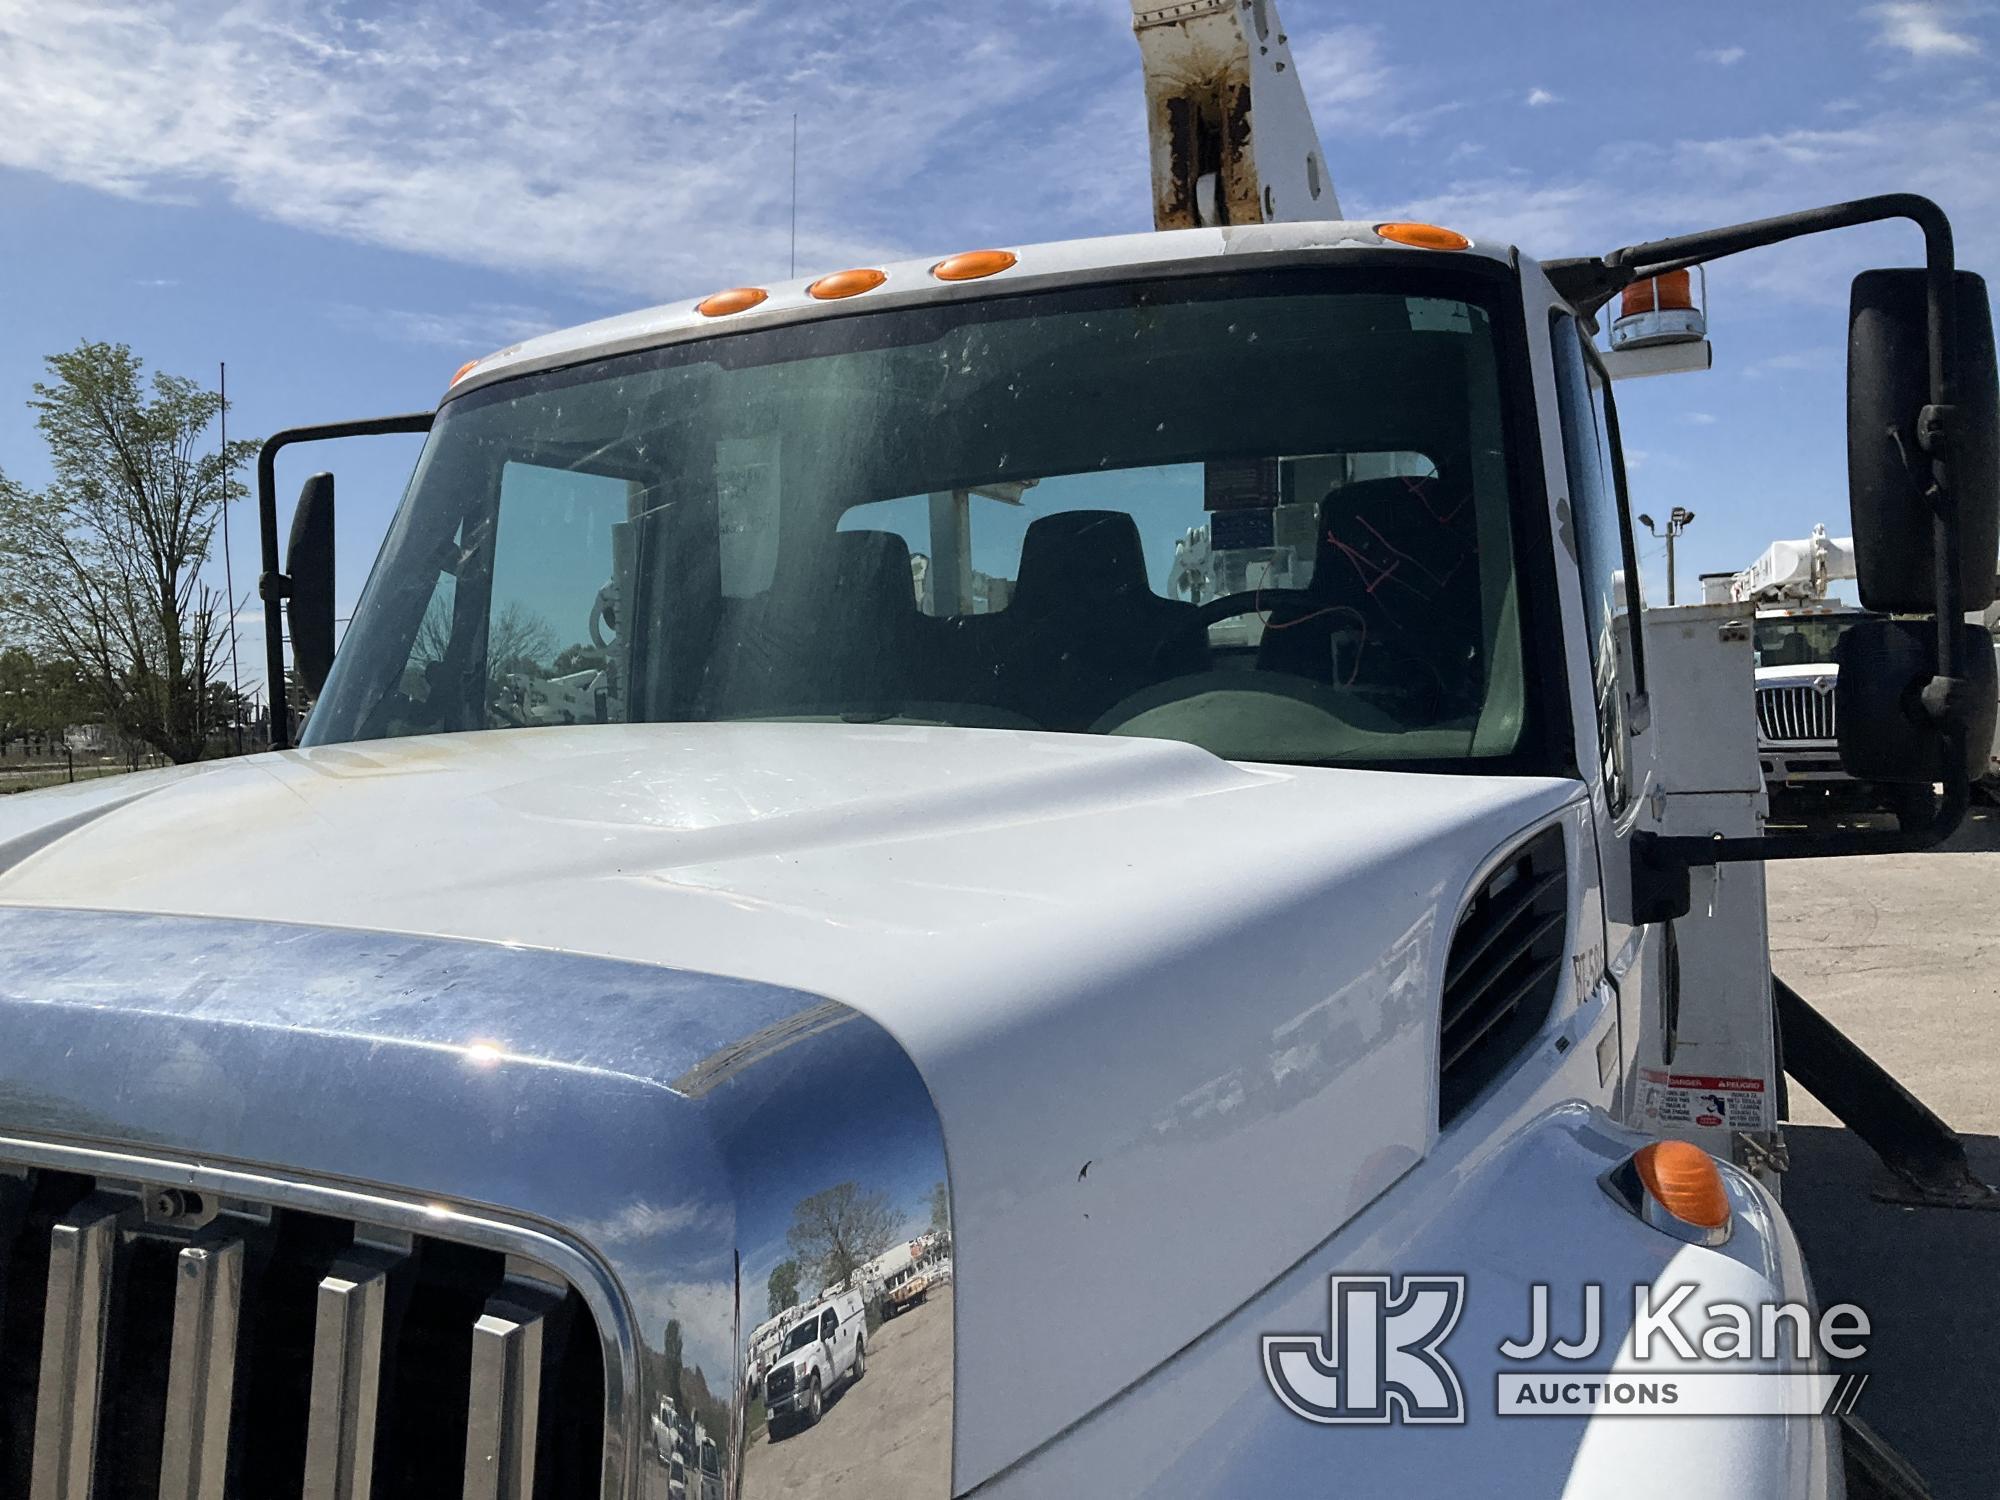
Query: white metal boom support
point(1794, 572)
point(1232, 139)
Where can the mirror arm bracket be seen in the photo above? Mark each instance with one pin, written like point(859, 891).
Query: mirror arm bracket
point(273, 584)
point(1661, 862)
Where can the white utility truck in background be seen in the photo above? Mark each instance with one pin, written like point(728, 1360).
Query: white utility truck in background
point(1798, 627)
point(1369, 1011)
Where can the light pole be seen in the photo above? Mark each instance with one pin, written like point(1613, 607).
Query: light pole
point(1678, 520)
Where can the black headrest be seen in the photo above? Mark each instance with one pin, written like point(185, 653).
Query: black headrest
point(869, 570)
point(1085, 554)
point(1397, 507)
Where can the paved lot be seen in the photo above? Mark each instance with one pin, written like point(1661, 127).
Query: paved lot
point(900, 1411)
point(1903, 954)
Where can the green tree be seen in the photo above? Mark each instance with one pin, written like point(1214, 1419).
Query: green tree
point(941, 1218)
point(103, 567)
point(839, 1229)
point(39, 698)
point(783, 1287)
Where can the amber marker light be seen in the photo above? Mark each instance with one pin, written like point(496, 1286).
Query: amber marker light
point(737, 299)
point(461, 372)
point(846, 284)
point(1423, 236)
point(970, 265)
point(1684, 1180)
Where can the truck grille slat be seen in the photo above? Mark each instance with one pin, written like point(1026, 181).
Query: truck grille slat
point(160, 1341)
point(201, 1370)
point(82, 1252)
point(1796, 713)
point(504, 1408)
point(352, 1308)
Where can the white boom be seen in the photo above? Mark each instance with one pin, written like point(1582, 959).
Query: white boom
point(1788, 572)
point(1232, 139)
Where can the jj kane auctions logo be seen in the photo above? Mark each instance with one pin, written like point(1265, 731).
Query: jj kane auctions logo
point(1382, 1358)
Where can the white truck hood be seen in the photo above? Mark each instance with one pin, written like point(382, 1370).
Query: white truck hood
point(1178, 1015)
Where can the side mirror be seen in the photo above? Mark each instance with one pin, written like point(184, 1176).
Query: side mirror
point(309, 564)
point(1885, 734)
point(1888, 468)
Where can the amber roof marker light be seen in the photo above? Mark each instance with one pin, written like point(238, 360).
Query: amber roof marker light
point(846, 284)
point(1423, 236)
point(461, 372)
point(970, 265)
point(737, 299)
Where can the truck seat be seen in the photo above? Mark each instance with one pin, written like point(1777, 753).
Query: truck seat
point(837, 631)
point(1396, 566)
point(1084, 628)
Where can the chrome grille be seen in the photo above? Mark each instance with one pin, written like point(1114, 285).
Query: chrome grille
point(1794, 712)
point(181, 1345)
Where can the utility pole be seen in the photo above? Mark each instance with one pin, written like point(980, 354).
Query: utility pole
point(1678, 520)
point(228, 569)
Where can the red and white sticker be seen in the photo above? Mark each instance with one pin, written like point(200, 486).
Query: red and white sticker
point(1689, 1099)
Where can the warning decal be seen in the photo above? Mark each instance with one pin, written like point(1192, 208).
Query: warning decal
point(1710, 1103)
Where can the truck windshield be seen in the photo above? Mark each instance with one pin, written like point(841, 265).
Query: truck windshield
point(1800, 640)
point(801, 1336)
point(1270, 514)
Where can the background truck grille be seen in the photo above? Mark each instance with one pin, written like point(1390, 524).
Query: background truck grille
point(779, 1382)
point(1505, 964)
point(1789, 712)
point(178, 1346)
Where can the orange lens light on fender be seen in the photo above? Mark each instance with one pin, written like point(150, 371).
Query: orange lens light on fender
point(1423, 236)
point(735, 300)
point(1683, 1180)
point(846, 284)
point(973, 264)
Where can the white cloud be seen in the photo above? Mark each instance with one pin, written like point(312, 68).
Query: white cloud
point(1347, 82)
point(629, 146)
point(1637, 190)
point(1725, 57)
point(1922, 28)
point(641, 1221)
point(480, 328)
point(1701, 418)
point(1537, 97)
point(1795, 360)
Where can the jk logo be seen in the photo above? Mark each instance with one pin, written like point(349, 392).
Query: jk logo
point(1379, 1361)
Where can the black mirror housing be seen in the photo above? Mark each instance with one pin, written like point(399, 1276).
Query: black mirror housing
point(1885, 734)
point(1888, 468)
point(309, 567)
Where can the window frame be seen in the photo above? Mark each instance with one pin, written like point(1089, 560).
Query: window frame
point(1546, 744)
point(1563, 321)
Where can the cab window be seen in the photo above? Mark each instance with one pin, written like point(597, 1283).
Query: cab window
point(1602, 542)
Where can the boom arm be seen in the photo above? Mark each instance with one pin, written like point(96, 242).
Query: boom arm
point(1795, 571)
point(1232, 139)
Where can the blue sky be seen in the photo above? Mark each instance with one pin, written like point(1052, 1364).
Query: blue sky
point(346, 201)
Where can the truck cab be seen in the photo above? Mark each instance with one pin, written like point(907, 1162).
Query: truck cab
point(826, 1350)
point(1143, 755)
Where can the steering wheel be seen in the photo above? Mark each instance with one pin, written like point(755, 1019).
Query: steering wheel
point(1252, 601)
point(603, 615)
point(1249, 601)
